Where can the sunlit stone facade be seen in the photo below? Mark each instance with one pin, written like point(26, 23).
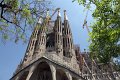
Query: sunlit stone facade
point(51, 55)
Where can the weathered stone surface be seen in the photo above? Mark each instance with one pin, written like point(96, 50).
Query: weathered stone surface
point(51, 55)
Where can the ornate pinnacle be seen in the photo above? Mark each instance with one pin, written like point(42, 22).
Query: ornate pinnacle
point(65, 16)
point(47, 13)
point(59, 12)
point(40, 21)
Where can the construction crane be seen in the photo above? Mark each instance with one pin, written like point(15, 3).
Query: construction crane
point(85, 23)
point(54, 12)
point(91, 71)
point(48, 17)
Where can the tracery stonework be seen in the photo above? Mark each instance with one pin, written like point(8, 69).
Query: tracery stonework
point(51, 55)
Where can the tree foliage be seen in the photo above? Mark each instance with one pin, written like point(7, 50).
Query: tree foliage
point(19, 16)
point(105, 34)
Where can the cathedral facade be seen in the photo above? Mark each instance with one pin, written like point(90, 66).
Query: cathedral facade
point(51, 55)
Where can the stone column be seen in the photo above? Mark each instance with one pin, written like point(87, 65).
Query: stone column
point(69, 76)
point(31, 72)
point(53, 71)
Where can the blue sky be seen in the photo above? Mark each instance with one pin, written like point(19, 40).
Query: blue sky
point(11, 53)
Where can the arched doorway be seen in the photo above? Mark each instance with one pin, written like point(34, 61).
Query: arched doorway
point(60, 75)
point(24, 75)
point(42, 72)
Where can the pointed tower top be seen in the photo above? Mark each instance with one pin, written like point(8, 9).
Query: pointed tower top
point(40, 21)
point(59, 13)
point(47, 13)
point(65, 16)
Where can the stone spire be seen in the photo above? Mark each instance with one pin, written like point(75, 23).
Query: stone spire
point(31, 44)
point(40, 21)
point(41, 41)
point(67, 38)
point(58, 34)
point(65, 15)
point(47, 13)
point(59, 15)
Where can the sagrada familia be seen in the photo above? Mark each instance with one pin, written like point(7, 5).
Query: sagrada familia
point(52, 55)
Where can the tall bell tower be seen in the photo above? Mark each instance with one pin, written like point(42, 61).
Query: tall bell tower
point(58, 35)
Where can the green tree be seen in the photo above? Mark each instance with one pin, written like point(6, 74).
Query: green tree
point(19, 16)
point(105, 34)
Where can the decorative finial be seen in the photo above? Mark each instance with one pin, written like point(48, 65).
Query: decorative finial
point(65, 16)
point(40, 21)
point(47, 13)
point(59, 12)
